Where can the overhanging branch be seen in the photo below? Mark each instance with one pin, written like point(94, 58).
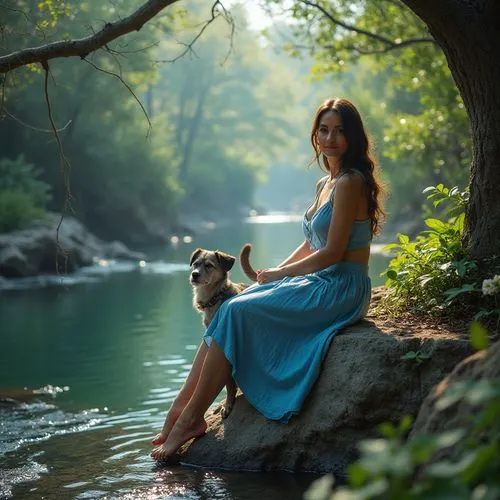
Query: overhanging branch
point(83, 46)
point(389, 44)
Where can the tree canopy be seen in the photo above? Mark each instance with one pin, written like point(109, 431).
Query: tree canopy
point(423, 73)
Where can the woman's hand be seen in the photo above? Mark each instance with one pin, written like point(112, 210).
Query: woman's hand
point(271, 274)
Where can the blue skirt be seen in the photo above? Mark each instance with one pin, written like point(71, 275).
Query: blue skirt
point(276, 335)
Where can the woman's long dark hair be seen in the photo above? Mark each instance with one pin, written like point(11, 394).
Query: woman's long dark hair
point(359, 155)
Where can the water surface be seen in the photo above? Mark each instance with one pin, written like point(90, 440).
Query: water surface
point(111, 347)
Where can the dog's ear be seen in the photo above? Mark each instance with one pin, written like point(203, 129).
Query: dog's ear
point(194, 255)
point(226, 260)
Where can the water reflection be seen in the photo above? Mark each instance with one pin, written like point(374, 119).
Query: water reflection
point(123, 343)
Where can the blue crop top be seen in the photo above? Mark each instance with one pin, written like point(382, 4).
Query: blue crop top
point(316, 229)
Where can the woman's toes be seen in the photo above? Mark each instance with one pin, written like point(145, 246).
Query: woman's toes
point(159, 439)
point(159, 453)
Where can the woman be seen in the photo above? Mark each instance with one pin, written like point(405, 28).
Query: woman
point(273, 336)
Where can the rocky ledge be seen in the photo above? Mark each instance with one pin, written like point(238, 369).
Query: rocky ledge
point(52, 245)
point(364, 382)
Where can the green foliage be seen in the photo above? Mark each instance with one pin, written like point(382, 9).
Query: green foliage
point(17, 209)
point(417, 357)
point(394, 468)
point(20, 175)
point(479, 336)
point(23, 196)
point(428, 273)
point(433, 274)
point(56, 10)
point(218, 115)
point(426, 137)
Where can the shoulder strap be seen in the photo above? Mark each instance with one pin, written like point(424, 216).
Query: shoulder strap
point(320, 187)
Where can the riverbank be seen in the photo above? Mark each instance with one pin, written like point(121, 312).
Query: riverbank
point(56, 245)
point(62, 245)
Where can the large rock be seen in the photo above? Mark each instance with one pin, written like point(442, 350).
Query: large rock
point(53, 245)
point(363, 383)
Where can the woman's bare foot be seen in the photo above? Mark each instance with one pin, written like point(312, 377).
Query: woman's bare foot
point(181, 433)
point(172, 416)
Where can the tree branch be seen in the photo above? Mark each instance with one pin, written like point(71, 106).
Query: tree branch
point(32, 127)
point(389, 44)
point(395, 46)
point(215, 13)
point(83, 46)
point(127, 86)
point(361, 51)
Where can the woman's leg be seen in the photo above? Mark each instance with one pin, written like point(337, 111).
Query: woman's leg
point(184, 395)
point(191, 422)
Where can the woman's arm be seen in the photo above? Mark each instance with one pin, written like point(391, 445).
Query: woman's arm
point(349, 191)
point(299, 253)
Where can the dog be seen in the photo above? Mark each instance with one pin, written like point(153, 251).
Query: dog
point(211, 287)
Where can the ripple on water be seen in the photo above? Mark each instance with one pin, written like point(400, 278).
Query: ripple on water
point(26, 473)
point(38, 421)
point(160, 267)
point(29, 423)
point(91, 274)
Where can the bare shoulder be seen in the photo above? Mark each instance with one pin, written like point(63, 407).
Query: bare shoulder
point(351, 181)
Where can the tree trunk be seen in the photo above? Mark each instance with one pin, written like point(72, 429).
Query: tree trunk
point(194, 125)
point(467, 33)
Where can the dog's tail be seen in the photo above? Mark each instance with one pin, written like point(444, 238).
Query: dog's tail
point(245, 262)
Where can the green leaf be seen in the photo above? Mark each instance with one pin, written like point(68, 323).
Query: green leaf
point(409, 355)
point(450, 438)
point(404, 239)
point(449, 470)
point(482, 391)
point(358, 475)
point(320, 489)
point(453, 394)
point(486, 491)
point(479, 336)
point(481, 458)
point(455, 292)
point(375, 488)
point(405, 423)
point(392, 275)
point(484, 312)
point(461, 268)
point(436, 224)
point(387, 429)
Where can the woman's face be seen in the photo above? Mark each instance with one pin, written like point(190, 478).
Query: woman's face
point(331, 139)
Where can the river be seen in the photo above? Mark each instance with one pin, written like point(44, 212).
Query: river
point(110, 347)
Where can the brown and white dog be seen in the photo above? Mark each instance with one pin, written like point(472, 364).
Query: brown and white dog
point(212, 286)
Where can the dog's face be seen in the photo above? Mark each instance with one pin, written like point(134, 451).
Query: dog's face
point(208, 267)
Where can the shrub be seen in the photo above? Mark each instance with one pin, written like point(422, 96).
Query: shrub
point(423, 270)
point(23, 197)
point(17, 209)
point(433, 274)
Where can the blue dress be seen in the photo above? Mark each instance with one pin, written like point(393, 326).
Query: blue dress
point(276, 335)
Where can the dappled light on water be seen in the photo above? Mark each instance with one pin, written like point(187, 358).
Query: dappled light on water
point(92, 274)
point(275, 218)
point(123, 340)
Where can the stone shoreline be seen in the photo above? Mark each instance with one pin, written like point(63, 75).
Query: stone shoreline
point(51, 246)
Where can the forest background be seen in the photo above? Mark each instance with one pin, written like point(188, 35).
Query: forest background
point(155, 131)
